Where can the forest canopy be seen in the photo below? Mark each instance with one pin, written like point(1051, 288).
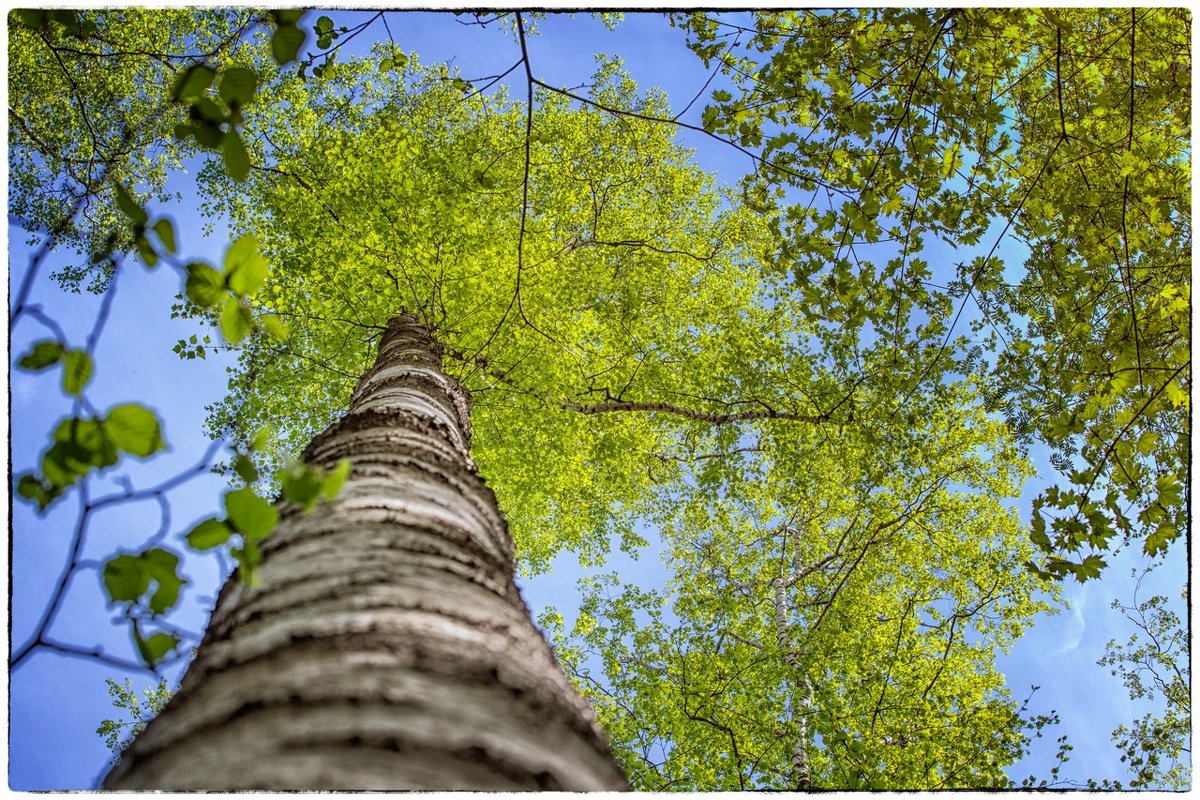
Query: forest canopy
point(964, 241)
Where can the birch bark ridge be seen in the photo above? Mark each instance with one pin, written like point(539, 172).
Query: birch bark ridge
point(386, 645)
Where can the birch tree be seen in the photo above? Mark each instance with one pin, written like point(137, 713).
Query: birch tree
point(1064, 132)
point(835, 606)
point(634, 341)
point(383, 643)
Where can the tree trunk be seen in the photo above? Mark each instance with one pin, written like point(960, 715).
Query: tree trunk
point(386, 645)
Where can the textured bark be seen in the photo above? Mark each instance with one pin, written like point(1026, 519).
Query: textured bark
point(386, 646)
point(801, 689)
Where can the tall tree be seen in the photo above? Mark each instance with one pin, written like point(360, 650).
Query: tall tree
point(1060, 134)
point(832, 619)
point(618, 322)
point(384, 643)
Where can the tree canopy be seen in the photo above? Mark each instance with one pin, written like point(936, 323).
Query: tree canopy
point(1069, 131)
point(965, 237)
point(832, 619)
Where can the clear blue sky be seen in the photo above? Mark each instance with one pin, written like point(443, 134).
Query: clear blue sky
point(57, 702)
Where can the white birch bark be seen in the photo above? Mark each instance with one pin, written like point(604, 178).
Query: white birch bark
point(386, 646)
point(802, 689)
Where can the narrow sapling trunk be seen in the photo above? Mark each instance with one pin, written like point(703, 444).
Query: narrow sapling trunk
point(386, 645)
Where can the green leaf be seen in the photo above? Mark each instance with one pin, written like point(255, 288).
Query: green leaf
point(1160, 538)
point(286, 43)
point(1090, 568)
point(161, 566)
point(950, 161)
point(192, 82)
point(80, 445)
point(245, 266)
point(154, 649)
point(205, 285)
point(208, 134)
point(125, 578)
point(252, 516)
point(77, 371)
point(134, 429)
point(29, 17)
point(208, 534)
point(244, 467)
point(206, 110)
point(45, 353)
point(236, 321)
point(324, 25)
point(332, 484)
point(29, 487)
point(166, 234)
point(387, 65)
point(274, 326)
point(261, 437)
point(248, 557)
point(130, 207)
point(287, 16)
point(238, 85)
point(237, 160)
point(301, 484)
point(146, 251)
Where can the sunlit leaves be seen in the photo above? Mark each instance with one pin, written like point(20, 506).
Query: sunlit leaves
point(876, 566)
point(204, 285)
point(134, 429)
point(117, 734)
point(237, 160)
point(69, 111)
point(77, 371)
point(1155, 667)
point(81, 445)
point(250, 515)
point(889, 123)
point(245, 266)
point(150, 581)
point(209, 534)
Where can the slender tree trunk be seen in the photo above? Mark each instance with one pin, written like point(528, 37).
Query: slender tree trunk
point(386, 646)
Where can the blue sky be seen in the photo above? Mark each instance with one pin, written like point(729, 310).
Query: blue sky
point(56, 702)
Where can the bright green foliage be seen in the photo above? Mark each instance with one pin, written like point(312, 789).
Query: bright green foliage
point(622, 282)
point(134, 429)
point(775, 380)
point(128, 577)
point(1155, 663)
point(836, 605)
point(90, 113)
point(1059, 135)
point(83, 444)
point(252, 519)
point(145, 585)
point(118, 733)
